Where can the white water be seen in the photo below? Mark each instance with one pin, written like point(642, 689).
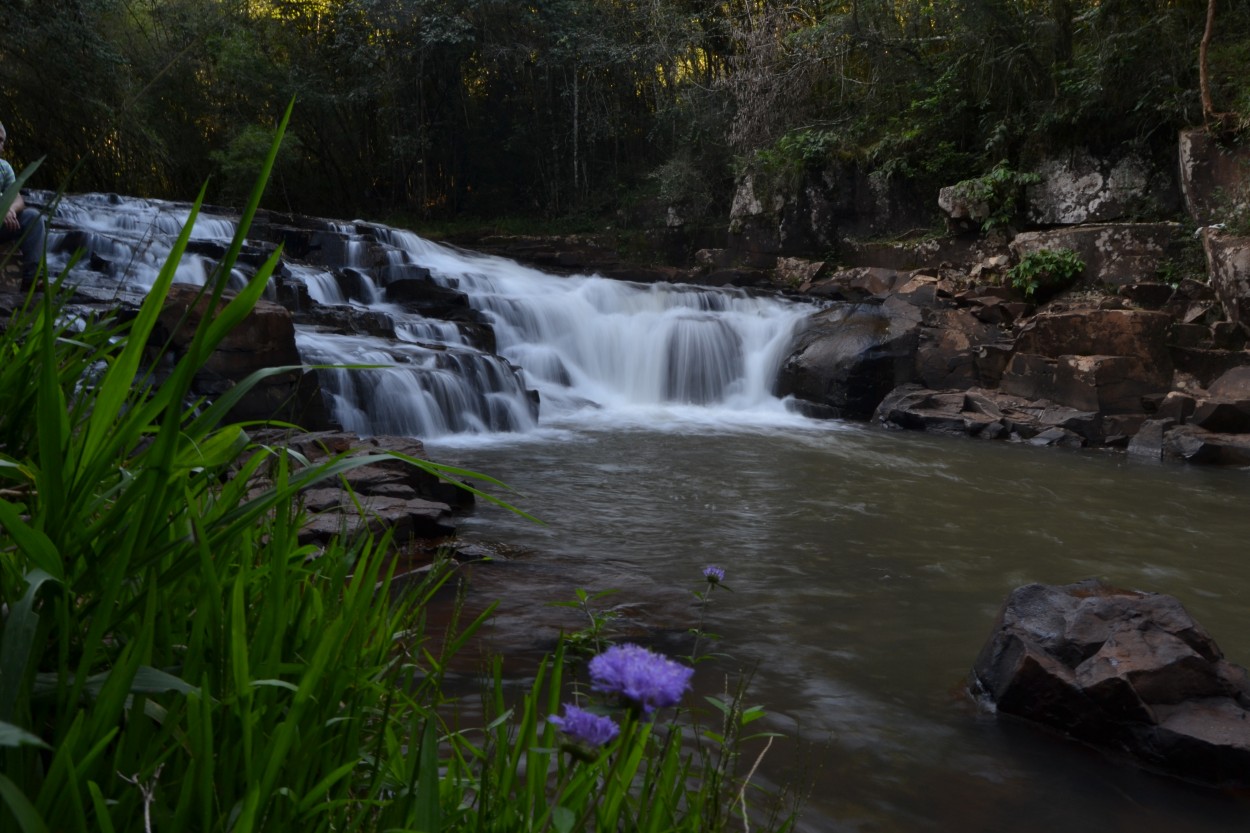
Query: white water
point(570, 351)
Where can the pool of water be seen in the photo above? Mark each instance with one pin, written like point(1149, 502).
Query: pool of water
point(866, 569)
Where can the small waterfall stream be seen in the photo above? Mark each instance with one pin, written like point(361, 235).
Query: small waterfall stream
point(562, 346)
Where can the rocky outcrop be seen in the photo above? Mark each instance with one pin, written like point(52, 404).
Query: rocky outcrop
point(1128, 672)
point(830, 205)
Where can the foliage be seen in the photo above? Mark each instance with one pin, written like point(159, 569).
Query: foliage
point(1046, 271)
point(996, 196)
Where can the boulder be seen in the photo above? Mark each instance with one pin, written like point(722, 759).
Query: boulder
point(852, 356)
point(1114, 253)
point(1125, 671)
point(1081, 188)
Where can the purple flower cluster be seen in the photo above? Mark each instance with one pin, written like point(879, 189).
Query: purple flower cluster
point(714, 574)
point(584, 727)
point(646, 679)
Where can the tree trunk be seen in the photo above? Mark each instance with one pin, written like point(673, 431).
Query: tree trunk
point(1204, 78)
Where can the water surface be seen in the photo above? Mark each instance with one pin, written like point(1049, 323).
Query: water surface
point(867, 568)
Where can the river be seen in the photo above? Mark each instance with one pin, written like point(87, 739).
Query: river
point(866, 567)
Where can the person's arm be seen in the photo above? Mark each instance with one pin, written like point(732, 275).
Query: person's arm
point(10, 220)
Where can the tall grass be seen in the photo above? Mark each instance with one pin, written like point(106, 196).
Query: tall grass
point(171, 658)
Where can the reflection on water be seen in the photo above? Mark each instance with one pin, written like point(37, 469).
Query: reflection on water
point(867, 569)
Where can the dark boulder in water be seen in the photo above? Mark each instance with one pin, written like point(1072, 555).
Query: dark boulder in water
point(1128, 672)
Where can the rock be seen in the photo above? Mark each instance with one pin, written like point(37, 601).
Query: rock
point(1233, 384)
point(1209, 170)
point(852, 356)
point(1228, 258)
point(1222, 416)
point(264, 339)
point(1108, 384)
point(1081, 188)
point(950, 349)
point(1147, 443)
point(915, 408)
point(334, 512)
point(1195, 445)
point(797, 272)
point(1127, 672)
point(1137, 333)
point(1113, 253)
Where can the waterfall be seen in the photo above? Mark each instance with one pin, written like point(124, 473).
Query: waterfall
point(441, 341)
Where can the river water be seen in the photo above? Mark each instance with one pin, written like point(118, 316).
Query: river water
point(866, 567)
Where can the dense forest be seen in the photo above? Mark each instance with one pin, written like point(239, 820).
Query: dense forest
point(430, 109)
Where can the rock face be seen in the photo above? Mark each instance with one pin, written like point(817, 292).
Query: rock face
point(1230, 272)
point(1209, 172)
point(1081, 188)
point(1128, 672)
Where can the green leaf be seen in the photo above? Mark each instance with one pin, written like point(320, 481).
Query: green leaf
point(563, 819)
point(14, 736)
point(28, 818)
point(18, 644)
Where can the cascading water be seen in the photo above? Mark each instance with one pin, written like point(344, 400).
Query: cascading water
point(582, 346)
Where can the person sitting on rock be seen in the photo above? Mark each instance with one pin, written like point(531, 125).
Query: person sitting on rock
point(20, 222)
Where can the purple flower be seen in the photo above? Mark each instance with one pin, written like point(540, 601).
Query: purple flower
point(584, 727)
point(713, 574)
point(646, 679)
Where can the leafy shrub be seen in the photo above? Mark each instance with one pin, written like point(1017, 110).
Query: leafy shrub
point(1046, 272)
point(997, 194)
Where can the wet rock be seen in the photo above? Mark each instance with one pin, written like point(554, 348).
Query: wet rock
point(1196, 445)
point(1113, 253)
point(852, 356)
point(1147, 443)
point(914, 408)
point(1127, 672)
